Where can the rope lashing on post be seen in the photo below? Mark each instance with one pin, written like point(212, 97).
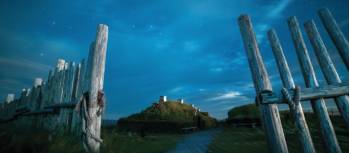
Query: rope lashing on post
point(259, 98)
point(100, 103)
point(83, 109)
point(292, 101)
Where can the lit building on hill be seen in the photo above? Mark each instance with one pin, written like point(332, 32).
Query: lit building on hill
point(162, 99)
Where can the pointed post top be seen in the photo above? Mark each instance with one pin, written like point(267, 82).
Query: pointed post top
point(60, 64)
point(10, 98)
point(37, 82)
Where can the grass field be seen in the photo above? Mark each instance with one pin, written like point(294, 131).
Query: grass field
point(230, 140)
point(253, 140)
point(114, 142)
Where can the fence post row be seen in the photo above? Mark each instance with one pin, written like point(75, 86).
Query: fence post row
point(327, 67)
point(51, 104)
point(309, 75)
point(267, 99)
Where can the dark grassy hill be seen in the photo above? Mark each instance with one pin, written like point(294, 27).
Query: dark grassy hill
point(245, 111)
point(170, 115)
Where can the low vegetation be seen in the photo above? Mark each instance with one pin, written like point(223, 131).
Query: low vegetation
point(117, 142)
point(230, 140)
point(251, 140)
point(114, 142)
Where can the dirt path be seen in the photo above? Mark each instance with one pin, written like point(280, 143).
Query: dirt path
point(196, 142)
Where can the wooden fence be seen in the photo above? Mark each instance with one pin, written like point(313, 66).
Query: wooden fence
point(51, 105)
point(291, 93)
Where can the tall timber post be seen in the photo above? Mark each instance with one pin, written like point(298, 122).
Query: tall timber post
point(94, 82)
point(269, 113)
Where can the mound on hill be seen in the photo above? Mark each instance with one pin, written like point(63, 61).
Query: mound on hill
point(165, 117)
point(246, 111)
point(246, 115)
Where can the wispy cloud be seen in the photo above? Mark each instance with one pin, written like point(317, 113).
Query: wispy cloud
point(11, 84)
point(278, 9)
point(176, 89)
point(25, 64)
point(225, 96)
point(261, 30)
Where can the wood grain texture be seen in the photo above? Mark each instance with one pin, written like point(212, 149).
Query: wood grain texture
point(327, 91)
point(269, 113)
point(318, 105)
point(327, 67)
point(288, 82)
point(336, 34)
point(95, 80)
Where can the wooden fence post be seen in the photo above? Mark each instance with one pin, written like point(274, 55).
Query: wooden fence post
point(319, 105)
point(67, 96)
point(336, 34)
point(87, 75)
point(95, 78)
point(269, 113)
point(75, 88)
point(288, 82)
point(327, 67)
point(82, 81)
point(77, 93)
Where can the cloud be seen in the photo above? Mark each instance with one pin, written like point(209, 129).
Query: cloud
point(10, 85)
point(225, 96)
point(217, 69)
point(176, 89)
point(20, 63)
point(201, 89)
point(278, 9)
point(191, 46)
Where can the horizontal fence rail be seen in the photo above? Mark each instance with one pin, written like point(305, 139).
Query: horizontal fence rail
point(306, 94)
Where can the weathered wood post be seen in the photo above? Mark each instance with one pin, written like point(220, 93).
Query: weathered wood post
point(37, 82)
point(82, 73)
point(59, 76)
point(327, 67)
point(269, 113)
point(56, 92)
point(9, 98)
point(67, 87)
point(309, 75)
point(336, 34)
point(34, 98)
point(74, 98)
point(288, 82)
point(87, 75)
point(76, 82)
point(80, 77)
point(95, 84)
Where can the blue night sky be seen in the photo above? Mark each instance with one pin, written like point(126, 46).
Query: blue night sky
point(189, 49)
